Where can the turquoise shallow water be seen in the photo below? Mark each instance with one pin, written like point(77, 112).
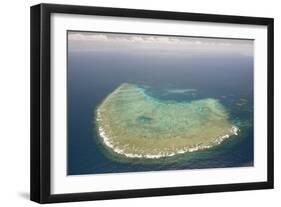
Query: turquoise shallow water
point(91, 79)
point(137, 125)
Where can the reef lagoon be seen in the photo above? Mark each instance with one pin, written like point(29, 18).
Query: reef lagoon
point(137, 125)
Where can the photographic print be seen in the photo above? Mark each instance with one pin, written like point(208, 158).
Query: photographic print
point(149, 102)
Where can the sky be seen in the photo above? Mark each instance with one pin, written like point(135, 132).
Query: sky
point(98, 41)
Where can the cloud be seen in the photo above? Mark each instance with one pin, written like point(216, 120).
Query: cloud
point(157, 42)
point(83, 37)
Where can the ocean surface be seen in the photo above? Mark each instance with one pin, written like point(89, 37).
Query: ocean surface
point(92, 75)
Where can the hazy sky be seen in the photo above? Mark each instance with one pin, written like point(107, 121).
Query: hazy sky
point(93, 41)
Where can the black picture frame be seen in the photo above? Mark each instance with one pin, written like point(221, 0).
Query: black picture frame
point(40, 184)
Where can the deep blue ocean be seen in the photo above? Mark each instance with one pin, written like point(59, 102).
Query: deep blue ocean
point(93, 75)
